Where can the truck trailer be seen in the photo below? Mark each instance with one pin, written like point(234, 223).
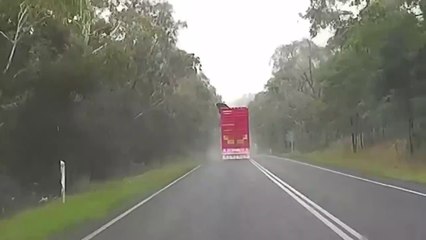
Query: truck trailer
point(235, 136)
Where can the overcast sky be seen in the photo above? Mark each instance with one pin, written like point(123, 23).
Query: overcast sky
point(235, 39)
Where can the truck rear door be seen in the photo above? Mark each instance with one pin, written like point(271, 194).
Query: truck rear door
point(235, 133)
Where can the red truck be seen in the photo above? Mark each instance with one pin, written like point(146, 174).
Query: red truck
point(234, 125)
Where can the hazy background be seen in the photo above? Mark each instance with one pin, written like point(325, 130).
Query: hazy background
point(236, 39)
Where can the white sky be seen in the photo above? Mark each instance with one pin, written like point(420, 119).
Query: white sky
point(235, 39)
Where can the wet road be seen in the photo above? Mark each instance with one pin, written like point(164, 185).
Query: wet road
point(272, 198)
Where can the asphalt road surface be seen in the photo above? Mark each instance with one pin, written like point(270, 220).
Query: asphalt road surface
point(269, 199)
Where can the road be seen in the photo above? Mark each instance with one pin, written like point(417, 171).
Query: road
point(272, 198)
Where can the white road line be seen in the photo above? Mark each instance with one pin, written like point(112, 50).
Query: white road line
point(355, 177)
point(124, 214)
point(304, 201)
point(329, 215)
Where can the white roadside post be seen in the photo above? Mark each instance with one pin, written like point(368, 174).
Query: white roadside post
point(62, 169)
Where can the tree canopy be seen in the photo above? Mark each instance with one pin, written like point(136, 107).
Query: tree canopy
point(366, 85)
point(99, 84)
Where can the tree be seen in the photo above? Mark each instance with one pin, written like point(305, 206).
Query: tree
point(99, 84)
point(372, 88)
point(294, 86)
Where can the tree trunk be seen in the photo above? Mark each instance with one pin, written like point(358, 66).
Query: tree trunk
point(410, 134)
point(361, 140)
point(353, 136)
point(372, 137)
point(22, 19)
point(383, 132)
point(410, 117)
point(356, 121)
point(311, 79)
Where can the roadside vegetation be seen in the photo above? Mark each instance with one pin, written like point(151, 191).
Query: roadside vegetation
point(364, 92)
point(98, 84)
point(380, 160)
point(97, 203)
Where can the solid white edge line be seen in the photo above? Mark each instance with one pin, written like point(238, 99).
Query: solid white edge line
point(319, 208)
point(354, 177)
point(329, 224)
point(124, 214)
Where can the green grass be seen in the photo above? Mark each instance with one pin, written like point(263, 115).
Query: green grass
point(381, 160)
point(55, 217)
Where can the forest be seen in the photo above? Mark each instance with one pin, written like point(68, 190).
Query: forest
point(98, 84)
point(367, 86)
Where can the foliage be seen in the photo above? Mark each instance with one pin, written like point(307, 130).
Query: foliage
point(99, 84)
point(379, 161)
point(370, 81)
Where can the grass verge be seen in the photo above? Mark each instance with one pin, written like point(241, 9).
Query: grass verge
point(53, 218)
point(381, 161)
